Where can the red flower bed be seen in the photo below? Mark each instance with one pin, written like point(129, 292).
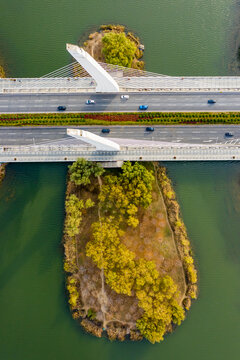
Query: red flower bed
point(112, 117)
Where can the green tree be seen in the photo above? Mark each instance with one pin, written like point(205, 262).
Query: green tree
point(121, 196)
point(118, 49)
point(73, 207)
point(152, 329)
point(82, 170)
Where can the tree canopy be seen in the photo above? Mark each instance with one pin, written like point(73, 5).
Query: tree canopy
point(122, 195)
point(82, 170)
point(118, 49)
point(120, 199)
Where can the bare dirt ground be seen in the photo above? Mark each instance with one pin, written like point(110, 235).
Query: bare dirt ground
point(94, 46)
point(153, 240)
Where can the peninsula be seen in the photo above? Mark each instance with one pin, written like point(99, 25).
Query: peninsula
point(128, 263)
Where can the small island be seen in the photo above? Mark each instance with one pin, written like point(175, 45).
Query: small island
point(128, 262)
point(114, 45)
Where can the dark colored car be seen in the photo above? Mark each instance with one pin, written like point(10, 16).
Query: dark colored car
point(229, 134)
point(149, 128)
point(211, 101)
point(143, 107)
point(61, 108)
point(105, 131)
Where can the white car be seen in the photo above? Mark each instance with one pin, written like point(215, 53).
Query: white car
point(124, 97)
point(89, 101)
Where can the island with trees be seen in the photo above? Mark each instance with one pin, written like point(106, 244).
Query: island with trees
point(128, 262)
point(114, 45)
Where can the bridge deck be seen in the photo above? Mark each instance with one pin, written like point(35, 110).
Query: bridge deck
point(165, 153)
point(87, 84)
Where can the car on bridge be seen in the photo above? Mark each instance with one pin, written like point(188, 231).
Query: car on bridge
point(149, 128)
point(90, 101)
point(143, 107)
point(61, 108)
point(211, 101)
point(124, 97)
point(105, 131)
point(229, 134)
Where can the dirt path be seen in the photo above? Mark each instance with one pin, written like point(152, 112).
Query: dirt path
point(183, 272)
point(102, 297)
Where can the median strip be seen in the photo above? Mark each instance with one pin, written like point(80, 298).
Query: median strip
point(147, 118)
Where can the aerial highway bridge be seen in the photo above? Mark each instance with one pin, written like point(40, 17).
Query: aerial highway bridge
point(134, 143)
point(85, 79)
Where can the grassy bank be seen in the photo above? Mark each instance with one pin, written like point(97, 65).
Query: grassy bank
point(153, 118)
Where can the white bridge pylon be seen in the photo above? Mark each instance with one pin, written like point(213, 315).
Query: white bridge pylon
point(99, 142)
point(105, 82)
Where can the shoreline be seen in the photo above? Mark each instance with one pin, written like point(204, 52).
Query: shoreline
point(2, 171)
point(180, 235)
point(2, 68)
point(116, 330)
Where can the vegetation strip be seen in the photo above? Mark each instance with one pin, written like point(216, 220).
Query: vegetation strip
point(111, 287)
point(158, 118)
point(180, 234)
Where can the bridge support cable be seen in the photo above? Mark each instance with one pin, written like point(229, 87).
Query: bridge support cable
point(88, 75)
point(105, 83)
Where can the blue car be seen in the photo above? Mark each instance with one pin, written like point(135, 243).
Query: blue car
point(105, 131)
point(143, 107)
point(211, 101)
point(149, 128)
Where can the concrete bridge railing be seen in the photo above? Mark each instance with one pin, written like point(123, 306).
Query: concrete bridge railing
point(66, 153)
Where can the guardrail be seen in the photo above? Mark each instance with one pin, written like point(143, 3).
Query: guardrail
point(71, 153)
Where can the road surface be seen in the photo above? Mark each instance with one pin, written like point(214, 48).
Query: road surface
point(203, 134)
point(23, 103)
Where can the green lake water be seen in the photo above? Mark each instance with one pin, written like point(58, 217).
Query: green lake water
point(181, 37)
point(35, 319)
